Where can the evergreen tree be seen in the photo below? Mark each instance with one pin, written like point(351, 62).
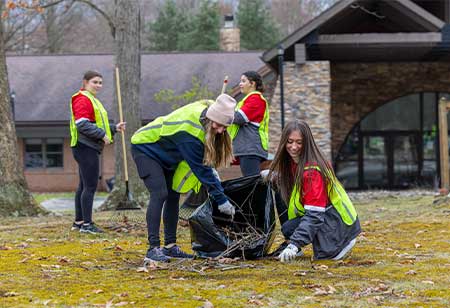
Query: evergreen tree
point(169, 28)
point(204, 28)
point(258, 27)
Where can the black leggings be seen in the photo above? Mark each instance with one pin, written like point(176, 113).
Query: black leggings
point(88, 167)
point(249, 164)
point(159, 183)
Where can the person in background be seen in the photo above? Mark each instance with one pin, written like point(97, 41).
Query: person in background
point(319, 211)
point(173, 155)
point(90, 130)
point(250, 129)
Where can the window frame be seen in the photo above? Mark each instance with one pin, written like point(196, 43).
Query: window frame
point(44, 151)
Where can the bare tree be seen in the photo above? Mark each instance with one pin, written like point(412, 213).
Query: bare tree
point(292, 14)
point(15, 199)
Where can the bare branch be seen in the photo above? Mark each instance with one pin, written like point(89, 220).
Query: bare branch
point(99, 10)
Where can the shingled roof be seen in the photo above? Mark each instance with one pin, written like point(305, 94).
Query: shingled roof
point(44, 84)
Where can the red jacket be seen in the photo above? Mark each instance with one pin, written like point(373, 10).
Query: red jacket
point(82, 108)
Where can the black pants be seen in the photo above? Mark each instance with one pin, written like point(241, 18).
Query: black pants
point(159, 183)
point(250, 164)
point(88, 167)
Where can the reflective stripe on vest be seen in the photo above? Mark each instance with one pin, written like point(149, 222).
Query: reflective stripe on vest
point(263, 127)
point(186, 119)
point(338, 198)
point(101, 117)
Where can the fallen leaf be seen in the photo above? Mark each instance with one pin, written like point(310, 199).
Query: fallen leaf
point(10, 294)
point(321, 267)
point(121, 304)
point(428, 282)
point(97, 291)
point(142, 269)
point(207, 304)
point(255, 302)
point(411, 272)
point(24, 260)
point(118, 248)
point(63, 260)
point(23, 245)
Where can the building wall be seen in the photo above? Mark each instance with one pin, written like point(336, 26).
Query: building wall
point(359, 88)
point(306, 97)
point(65, 179)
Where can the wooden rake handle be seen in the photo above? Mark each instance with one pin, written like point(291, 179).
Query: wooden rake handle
point(224, 86)
point(124, 149)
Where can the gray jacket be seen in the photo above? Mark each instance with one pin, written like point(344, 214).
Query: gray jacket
point(247, 140)
point(326, 231)
point(91, 135)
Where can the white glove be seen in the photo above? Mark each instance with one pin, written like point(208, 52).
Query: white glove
point(264, 173)
point(106, 140)
point(289, 253)
point(216, 174)
point(227, 208)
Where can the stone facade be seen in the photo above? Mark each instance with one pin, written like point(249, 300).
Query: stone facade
point(306, 97)
point(359, 88)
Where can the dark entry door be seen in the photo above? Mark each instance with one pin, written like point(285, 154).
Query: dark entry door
point(390, 160)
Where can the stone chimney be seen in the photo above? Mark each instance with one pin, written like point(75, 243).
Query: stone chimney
point(230, 35)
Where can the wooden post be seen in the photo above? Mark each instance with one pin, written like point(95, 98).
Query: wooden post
point(443, 143)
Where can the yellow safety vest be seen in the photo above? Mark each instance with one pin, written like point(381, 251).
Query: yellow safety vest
point(187, 119)
point(263, 126)
point(101, 117)
point(338, 198)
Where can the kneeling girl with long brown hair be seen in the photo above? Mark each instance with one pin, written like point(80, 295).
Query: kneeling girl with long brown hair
point(318, 210)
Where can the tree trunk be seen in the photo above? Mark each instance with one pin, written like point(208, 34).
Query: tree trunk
point(128, 60)
point(15, 199)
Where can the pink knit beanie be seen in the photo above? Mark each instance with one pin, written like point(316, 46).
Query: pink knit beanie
point(222, 110)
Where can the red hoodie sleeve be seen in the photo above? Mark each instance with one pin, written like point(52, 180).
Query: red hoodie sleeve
point(82, 108)
point(254, 108)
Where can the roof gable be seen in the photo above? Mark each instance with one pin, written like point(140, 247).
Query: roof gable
point(363, 16)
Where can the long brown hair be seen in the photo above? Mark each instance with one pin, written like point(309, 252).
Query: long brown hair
point(218, 148)
point(280, 169)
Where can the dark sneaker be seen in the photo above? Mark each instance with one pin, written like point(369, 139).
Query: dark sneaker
point(76, 227)
point(155, 254)
point(90, 228)
point(176, 252)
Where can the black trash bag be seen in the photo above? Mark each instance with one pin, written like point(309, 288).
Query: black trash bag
point(249, 235)
point(194, 200)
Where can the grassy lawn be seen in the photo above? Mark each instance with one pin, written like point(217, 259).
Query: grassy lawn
point(402, 259)
point(40, 197)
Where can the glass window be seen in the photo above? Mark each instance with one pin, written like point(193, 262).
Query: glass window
point(429, 111)
point(34, 153)
point(44, 153)
point(375, 161)
point(401, 114)
point(347, 161)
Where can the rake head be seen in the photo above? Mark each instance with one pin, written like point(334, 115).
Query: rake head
point(128, 211)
